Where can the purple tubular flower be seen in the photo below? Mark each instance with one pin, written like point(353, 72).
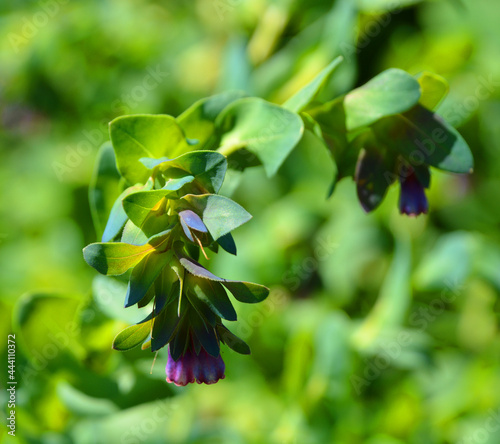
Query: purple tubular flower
point(412, 199)
point(190, 367)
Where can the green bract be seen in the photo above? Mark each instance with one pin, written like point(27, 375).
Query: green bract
point(166, 173)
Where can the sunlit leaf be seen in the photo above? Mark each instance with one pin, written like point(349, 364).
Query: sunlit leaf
point(117, 217)
point(198, 121)
point(267, 130)
point(391, 92)
point(116, 258)
point(104, 187)
point(143, 135)
point(219, 214)
point(207, 167)
point(308, 93)
point(138, 205)
point(132, 336)
point(434, 89)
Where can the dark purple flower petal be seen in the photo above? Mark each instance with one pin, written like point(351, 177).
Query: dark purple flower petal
point(412, 199)
point(190, 367)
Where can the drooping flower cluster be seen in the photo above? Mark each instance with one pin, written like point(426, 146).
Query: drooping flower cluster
point(169, 212)
point(162, 227)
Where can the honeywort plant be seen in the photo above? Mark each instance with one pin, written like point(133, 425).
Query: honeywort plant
point(169, 212)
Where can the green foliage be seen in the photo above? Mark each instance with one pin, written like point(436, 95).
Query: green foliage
point(428, 370)
point(134, 137)
point(391, 92)
point(132, 336)
point(424, 137)
point(302, 98)
point(262, 128)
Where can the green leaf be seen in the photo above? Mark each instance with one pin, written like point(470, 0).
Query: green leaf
point(104, 187)
point(314, 143)
point(202, 308)
point(132, 336)
point(198, 121)
point(424, 137)
point(148, 297)
point(267, 130)
point(434, 89)
point(164, 325)
point(115, 258)
point(227, 243)
point(205, 334)
point(176, 183)
point(144, 274)
point(180, 341)
point(212, 293)
point(138, 205)
point(247, 291)
point(143, 135)
point(153, 223)
point(207, 167)
point(391, 92)
point(232, 341)
point(308, 93)
point(117, 217)
point(220, 214)
point(242, 291)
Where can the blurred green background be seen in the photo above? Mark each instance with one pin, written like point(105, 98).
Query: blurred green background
point(379, 329)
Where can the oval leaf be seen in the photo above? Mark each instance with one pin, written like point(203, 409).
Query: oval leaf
point(307, 94)
point(117, 217)
point(132, 336)
point(114, 258)
point(242, 291)
point(219, 214)
point(267, 130)
point(198, 121)
point(434, 89)
point(212, 293)
point(391, 92)
point(144, 274)
point(144, 135)
point(232, 341)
